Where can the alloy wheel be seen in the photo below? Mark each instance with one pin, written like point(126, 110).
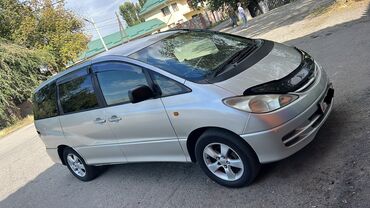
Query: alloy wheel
point(223, 161)
point(76, 165)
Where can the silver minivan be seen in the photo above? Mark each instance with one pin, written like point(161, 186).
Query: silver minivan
point(225, 102)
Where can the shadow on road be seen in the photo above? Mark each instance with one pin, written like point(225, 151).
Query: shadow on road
point(325, 173)
point(298, 10)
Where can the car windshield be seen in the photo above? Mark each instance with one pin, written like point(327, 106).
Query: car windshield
point(193, 55)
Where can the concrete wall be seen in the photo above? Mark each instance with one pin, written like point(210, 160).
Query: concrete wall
point(272, 4)
point(255, 5)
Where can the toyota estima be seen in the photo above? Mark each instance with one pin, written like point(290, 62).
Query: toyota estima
point(225, 102)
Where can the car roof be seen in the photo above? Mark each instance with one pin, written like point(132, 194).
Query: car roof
point(124, 49)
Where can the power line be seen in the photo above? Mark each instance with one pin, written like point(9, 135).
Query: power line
point(101, 27)
point(105, 25)
point(97, 30)
point(105, 21)
point(121, 28)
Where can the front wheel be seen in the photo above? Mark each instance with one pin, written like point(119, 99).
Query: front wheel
point(78, 167)
point(226, 159)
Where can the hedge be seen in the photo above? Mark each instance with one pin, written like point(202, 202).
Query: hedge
point(20, 74)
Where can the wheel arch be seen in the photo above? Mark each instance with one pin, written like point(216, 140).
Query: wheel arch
point(195, 134)
point(61, 149)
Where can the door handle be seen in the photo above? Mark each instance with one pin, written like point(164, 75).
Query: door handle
point(100, 120)
point(114, 119)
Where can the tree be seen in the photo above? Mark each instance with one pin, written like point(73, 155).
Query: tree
point(43, 25)
point(130, 12)
point(215, 5)
point(19, 75)
point(141, 3)
point(138, 8)
point(34, 35)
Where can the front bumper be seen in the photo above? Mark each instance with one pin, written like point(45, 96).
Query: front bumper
point(284, 140)
point(53, 154)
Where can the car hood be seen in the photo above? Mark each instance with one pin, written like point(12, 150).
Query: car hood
point(280, 62)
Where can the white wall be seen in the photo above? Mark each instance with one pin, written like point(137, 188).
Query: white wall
point(175, 16)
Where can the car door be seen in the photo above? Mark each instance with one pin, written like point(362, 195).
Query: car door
point(83, 119)
point(143, 129)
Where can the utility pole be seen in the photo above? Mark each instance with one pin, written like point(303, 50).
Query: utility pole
point(121, 28)
point(97, 30)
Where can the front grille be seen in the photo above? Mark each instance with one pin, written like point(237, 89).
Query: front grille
point(297, 134)
point(309, 81)
point(312, 122)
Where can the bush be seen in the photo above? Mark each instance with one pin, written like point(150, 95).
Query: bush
point(20, 74)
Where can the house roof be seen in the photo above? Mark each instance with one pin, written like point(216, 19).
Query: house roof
point(114, 39)
point(150, 5)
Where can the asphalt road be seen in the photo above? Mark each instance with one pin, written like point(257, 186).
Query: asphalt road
point(333, 171)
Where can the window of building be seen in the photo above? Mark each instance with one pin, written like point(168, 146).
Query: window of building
point(174, 7)
point(166, 11)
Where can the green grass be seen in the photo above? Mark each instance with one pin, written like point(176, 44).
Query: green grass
point(18, 125)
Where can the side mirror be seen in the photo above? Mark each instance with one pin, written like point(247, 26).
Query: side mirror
point(140, 93)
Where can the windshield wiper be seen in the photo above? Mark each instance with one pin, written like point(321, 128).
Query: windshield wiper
point(234, 60)
point(244, 53)
point(221, 68)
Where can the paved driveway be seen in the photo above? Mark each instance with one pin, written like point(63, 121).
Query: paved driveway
point(332, 171)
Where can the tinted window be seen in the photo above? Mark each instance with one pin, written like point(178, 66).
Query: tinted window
point(116, 79)
point(168, 86)
point(44, 102)
point(77, 94)
point(192, 55)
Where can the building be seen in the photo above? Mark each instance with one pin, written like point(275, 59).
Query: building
point(171, 12)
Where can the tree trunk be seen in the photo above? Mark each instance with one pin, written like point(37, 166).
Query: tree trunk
point(214, 17)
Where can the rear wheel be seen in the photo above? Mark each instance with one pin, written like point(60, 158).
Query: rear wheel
point(78, 167)
point(226, 159)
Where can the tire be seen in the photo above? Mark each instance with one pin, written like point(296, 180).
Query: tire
point(233, 163)
point(78, 167)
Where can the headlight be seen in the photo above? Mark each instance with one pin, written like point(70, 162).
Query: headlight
point(260, 103)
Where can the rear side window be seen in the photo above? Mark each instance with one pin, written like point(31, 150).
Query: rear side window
point(77, 94)
point(168, 86)
point(116, 79)
point(44, 102)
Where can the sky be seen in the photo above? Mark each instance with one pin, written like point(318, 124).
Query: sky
point(102, 11)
